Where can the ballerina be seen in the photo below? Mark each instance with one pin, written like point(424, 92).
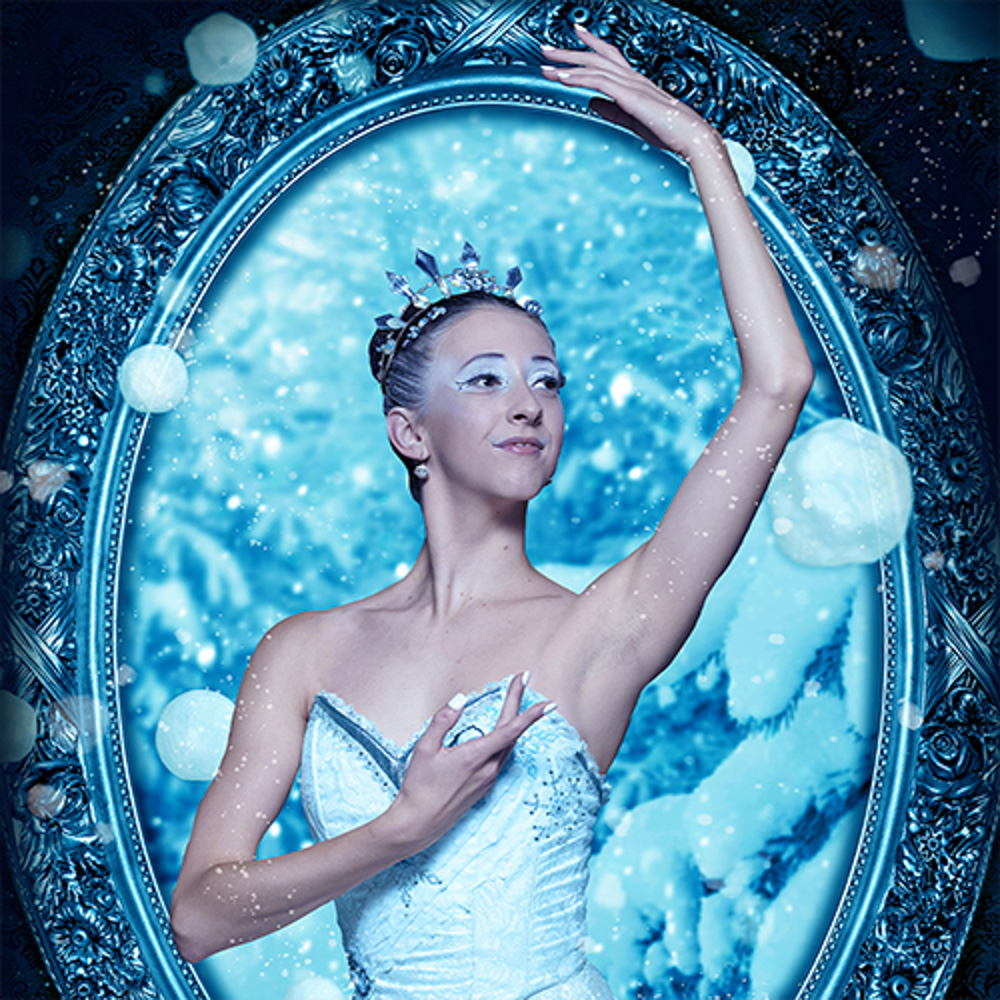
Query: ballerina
point(454, 830)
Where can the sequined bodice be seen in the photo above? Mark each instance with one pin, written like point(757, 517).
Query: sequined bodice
point(494, 910)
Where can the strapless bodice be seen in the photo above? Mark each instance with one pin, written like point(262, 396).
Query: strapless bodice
point(495, 909)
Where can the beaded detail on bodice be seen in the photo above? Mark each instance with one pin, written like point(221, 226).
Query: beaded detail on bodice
point(495, 909)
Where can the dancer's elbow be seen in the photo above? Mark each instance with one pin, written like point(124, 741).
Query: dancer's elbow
point(190, 929)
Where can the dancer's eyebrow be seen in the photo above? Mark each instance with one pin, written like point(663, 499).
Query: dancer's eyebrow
point(498, 356)
point(479, 357)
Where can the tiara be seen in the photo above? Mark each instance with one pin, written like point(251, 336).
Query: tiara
point(469, 277)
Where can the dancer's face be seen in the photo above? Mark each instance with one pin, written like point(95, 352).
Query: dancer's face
point(494, 418)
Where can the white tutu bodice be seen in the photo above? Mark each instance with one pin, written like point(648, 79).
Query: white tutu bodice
point(496, 909)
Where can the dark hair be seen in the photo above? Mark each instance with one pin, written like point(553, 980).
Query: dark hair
point(406, 380)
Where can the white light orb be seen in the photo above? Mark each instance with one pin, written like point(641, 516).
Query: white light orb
point(355, 72)
point(742, 160)
point(45, 478)
point(953, 30)
point(909, 714)
point(89, 718)
point(18, 728)
point(192, 734)
point(965, 271)
point(45, 801)
point(841, 494)
point(314, 988)
point(877, 266)
point(153, 378)
point(221, 49)
point(16, 255)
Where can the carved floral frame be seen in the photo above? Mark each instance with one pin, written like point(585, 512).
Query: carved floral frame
point(214, 163)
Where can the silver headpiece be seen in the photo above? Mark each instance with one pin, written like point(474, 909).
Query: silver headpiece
point(470, 277)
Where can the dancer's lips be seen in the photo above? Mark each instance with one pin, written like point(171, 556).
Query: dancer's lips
point(521, 445)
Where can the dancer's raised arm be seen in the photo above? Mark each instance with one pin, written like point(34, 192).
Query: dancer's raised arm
point(652, 599)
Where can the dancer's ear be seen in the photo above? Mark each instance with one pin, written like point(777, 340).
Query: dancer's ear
point(405, 434)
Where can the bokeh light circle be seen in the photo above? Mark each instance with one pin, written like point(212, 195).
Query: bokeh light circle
point(841, 495)
point(192, 733)
point(153, 378)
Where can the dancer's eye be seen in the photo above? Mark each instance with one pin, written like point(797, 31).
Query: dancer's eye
point(551, 383)
point(481, 380)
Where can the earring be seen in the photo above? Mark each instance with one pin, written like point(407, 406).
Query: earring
point(421, 472)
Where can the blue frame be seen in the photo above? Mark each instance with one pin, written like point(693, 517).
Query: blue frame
point(211, 167)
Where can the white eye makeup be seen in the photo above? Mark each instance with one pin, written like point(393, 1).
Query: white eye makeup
point(546, 375)
point(488, 371)
point(492, 371)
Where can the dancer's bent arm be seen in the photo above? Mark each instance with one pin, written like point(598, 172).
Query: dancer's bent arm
point(224, 895)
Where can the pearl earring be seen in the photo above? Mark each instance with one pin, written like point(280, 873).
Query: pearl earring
point(421, 471)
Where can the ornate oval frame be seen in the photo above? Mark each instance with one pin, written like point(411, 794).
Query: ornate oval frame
point(211, 167)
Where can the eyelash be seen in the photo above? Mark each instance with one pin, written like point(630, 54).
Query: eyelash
point(551, 383)
point(480, 381)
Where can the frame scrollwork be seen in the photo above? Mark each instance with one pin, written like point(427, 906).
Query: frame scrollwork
point(215, 162)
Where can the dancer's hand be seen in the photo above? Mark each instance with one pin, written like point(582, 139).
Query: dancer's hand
point(629, 98)
point(442, 783)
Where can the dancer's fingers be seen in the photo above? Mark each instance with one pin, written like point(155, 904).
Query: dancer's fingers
point(442, 720)
point(602, 47)
point(512, 702)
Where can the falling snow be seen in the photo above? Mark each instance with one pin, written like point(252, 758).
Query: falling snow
point(270, 489)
